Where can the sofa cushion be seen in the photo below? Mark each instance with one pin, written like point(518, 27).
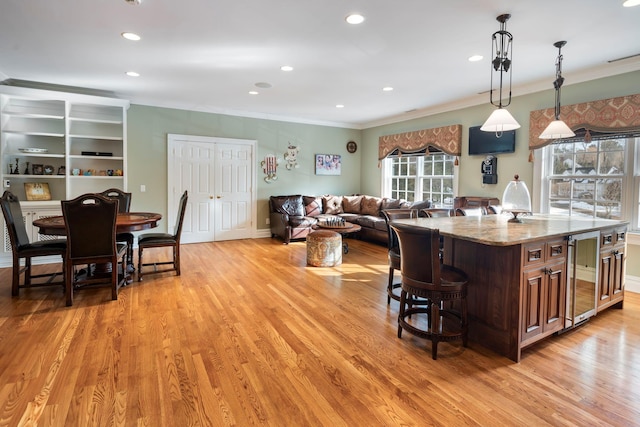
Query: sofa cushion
point(388, 203)
point(312, 205)
point(351, 204)
point(372, 221)
point(350, 217)
point(370, 205)
point(332, 204)
point(290, 205)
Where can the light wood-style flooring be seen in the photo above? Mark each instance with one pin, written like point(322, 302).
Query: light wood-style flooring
point(249, 335)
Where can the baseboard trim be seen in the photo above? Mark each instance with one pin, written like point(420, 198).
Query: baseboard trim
point(632, 284)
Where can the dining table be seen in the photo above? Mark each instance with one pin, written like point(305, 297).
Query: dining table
point(126, 222)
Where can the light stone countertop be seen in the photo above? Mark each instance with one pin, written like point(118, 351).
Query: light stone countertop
point(495, 230)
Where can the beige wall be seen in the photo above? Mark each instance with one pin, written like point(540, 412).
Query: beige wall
point(148, 128)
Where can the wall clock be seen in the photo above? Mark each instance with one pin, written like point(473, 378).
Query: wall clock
point(352, 147)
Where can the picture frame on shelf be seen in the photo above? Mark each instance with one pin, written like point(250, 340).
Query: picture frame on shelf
point(37, 169)
point(37, 191)
point(328, 164)
point(62, 170)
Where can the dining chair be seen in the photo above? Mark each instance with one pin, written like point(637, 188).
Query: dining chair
point(494, 209)
point(124, 204)
point(436, 212)
point(470, 211)
point(394, 248)
point(157, 240)
point(91, 239)
point(21, 248)
point(424, 276)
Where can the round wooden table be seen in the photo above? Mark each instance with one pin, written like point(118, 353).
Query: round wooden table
point(126, 222)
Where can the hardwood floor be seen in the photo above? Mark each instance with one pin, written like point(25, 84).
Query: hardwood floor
point(249, 335)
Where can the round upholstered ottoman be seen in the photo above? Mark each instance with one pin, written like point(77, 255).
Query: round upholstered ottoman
point(324, 248)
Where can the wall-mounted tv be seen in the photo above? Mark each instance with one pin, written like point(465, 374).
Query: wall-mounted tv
point(481, 142)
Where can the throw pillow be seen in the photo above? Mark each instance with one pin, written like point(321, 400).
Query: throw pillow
point(351, 204)
point(312, 205)
point(332, 204)
point(370, 205)
point(388, 203)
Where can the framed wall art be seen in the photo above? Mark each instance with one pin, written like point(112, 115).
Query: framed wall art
point(37, 191)
point(328, 164)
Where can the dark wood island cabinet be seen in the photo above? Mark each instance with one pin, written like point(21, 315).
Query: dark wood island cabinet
point(518, 273)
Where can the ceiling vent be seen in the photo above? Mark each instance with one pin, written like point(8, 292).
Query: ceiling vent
point(133, 2)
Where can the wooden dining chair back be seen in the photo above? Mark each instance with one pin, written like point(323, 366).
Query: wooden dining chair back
point(494, 209)
point(22, 248)
point(394, 248)
point(471, 211)
point(91, 239)
point(436, 212)
point(157, 240)
point(424, 276)
point(124, 204)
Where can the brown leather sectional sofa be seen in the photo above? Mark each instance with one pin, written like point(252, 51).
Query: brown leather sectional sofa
point(292, 217)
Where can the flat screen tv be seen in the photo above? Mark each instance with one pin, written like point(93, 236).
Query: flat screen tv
point(481, 142)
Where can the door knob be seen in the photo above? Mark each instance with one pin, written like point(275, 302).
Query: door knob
point(210, 197)
point(218, 197)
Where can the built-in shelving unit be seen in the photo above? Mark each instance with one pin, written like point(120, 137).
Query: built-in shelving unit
point(73, 143)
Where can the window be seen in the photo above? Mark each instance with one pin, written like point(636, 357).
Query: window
point(420, 177)
point(591, 178)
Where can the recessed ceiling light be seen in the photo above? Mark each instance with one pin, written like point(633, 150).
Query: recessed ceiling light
point(631, 3)
point(263, 85)
point(132, 74)
point(253, 92)
point(130, 36)
point(387, 89)
point(355, 19)
point(286, 68)
point(475, 58)
point(339, 106)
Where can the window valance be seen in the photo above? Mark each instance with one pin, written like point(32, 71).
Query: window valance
point(447, 139)
point(613, 115)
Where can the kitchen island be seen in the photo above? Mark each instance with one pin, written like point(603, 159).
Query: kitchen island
point(518, 272)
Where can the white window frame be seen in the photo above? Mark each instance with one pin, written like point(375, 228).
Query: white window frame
point(387, 174)
point(630, 199)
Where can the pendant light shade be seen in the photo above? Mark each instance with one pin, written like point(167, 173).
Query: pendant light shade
point(500, 120)
point(557, 129)
point(501, 67)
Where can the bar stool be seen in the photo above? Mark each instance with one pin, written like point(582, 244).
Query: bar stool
point(425, 277)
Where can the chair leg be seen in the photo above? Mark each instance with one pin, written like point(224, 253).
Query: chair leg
point(68, 283)
point(403, 297)
point(390, 285)
point(27, 272)
point(15, 277)
point(176, 259)
point(435, 329)
point(140, 263)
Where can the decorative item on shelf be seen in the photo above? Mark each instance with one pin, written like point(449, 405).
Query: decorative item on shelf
point(37, 191)
point(328, 164)
point(62, 170)
point(118, 172)
point(37, 169)
point(291, 157)
point(34, 150)
point(270, 168)
point(76, 172)
point(48, 169)
point(516, 199)
point(557, 129)
point(352, 147)
point(97, 153)
point(102, 172)
point(26, 169)
point(109, 172)
point(15, 171)
point(501, 120)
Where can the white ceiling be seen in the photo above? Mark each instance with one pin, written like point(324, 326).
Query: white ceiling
point(206, 55)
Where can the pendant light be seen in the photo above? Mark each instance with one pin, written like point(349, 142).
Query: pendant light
point(501, 120)
point(557, 129)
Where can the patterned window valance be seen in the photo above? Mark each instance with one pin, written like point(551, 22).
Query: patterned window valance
point(617, 115)
point(446, 138)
